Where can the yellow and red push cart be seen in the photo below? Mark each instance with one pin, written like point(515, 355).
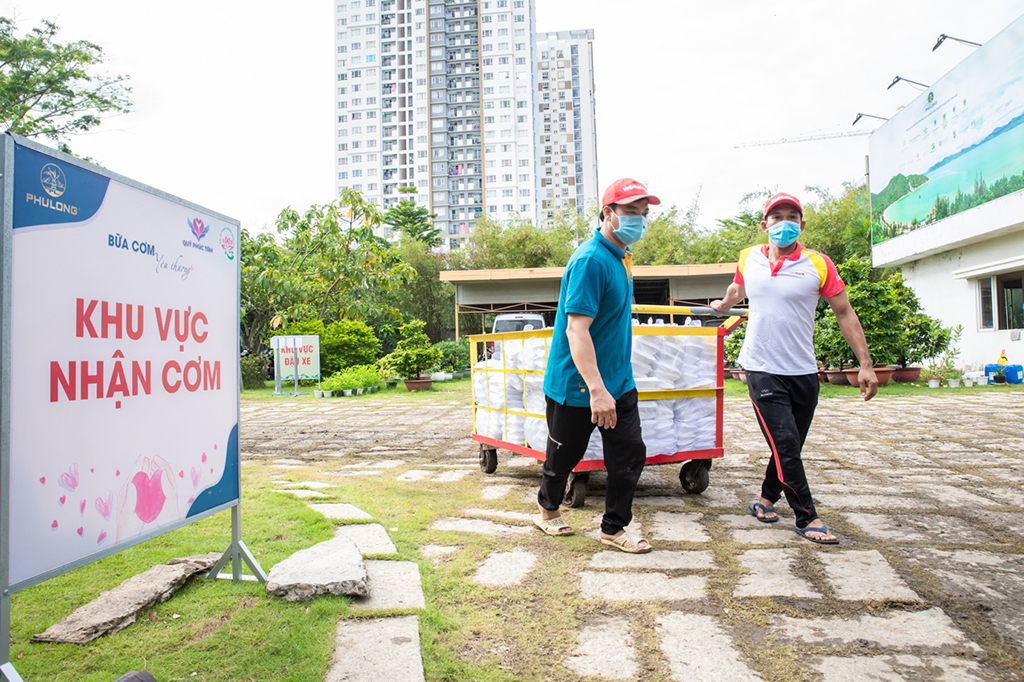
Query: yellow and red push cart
point(678, 369)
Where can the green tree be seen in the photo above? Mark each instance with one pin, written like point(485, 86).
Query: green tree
point(338, 261)
point(839, 226)
point(49, 89)
point(269, 289)
point(425, 297)
point(516, 243)
point(410, 218)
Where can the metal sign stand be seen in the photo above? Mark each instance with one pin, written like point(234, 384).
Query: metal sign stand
point(277, 370)
point(237, 552)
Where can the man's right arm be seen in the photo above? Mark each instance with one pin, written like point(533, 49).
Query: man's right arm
point(581, 346)
point(733, 295)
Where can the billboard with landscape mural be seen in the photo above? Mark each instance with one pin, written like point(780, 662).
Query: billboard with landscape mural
point(958, 145)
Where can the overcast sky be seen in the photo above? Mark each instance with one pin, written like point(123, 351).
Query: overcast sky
point(234, 100)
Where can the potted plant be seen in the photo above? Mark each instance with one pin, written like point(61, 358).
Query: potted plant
point(932, 376)
point(952, 377)
point(1000, 376)
point(414, 356)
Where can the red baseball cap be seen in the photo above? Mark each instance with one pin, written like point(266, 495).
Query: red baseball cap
point(781, 199)
point(626, 191)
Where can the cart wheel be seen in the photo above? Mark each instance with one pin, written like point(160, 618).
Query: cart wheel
point(694, 477)
point(576, 490)
point(488, 460)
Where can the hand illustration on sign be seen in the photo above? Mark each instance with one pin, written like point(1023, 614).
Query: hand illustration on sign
point(147, 496)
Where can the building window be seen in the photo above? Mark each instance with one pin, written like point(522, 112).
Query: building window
point(985, 303)
point(1011, 300)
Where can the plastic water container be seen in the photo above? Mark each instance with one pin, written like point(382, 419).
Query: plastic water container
point(1014, 373)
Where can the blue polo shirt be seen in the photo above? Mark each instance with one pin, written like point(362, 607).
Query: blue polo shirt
point(598, 283)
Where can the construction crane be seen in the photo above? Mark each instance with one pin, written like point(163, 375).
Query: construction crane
point(806, 138)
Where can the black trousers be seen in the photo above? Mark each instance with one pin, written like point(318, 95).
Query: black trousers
point(569, 430)
point(784, 406)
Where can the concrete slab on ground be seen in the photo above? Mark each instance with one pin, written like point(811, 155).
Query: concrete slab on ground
point(699, 650)
point(377, 650)
point(865, 575)
point(369, 538)
point(391, 585)
point(341, 512)
point(640, 586)
point(605, 649)
point(505, 568)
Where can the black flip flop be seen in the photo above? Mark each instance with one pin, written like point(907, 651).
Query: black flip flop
point(753, 508)
point(803, 532)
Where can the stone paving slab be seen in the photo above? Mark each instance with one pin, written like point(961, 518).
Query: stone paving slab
point(918, 528)
point(313, 485)
point(640, 586)
point(859, 575)
point(678, 527)
point(452, 476)
point(900, 667)
point(929, 629)
point(332, 567)
point(699, 650)
point(505, 568)
point(501, 514)
point(301, 493)
point(882, 502)
point(437, 553)
point(341, 512)
point(414, 475)
point(665, 560)
point(659, 501)
point(496, 492)
point(773, 573)
point(377, 650)
point(605, 649)
point(478, 526)
point(391, 585)
point(369, 538)
point(995, 580)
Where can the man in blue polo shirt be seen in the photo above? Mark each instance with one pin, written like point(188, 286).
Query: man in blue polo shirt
point(589, 377)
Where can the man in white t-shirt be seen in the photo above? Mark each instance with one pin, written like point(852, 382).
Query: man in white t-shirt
point(783, 282)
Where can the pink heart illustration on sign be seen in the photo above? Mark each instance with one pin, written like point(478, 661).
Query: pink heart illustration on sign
point(63, 499)
point(181, 474)
point(69, 479)
point(195, 477)
point(149, 495)
point(103, 506)
point(42, 479)
point(103, 534)
point(81, 506)
point(80, 531)
point(191, 499)
point(54, 524)
point(117, 473)
point(204, 457)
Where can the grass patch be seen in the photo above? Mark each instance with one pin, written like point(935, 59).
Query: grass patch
point(734, 387)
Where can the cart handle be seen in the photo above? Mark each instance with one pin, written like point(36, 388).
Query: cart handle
point(684, 310)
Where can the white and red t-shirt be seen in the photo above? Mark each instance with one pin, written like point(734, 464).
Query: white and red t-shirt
point(780, 321)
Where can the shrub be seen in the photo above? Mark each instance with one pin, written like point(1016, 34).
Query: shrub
point(414, 355)
point(254, 371)
point(346, 343)
point(454, 355)
point(342, 344)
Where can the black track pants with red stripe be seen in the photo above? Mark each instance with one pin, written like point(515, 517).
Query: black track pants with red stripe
point(784, 406)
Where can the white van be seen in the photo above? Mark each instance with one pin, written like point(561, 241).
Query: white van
point(517, 322)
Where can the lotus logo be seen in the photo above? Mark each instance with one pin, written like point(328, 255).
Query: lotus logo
point(198, 228)
point(53, 180)
point(227, 242)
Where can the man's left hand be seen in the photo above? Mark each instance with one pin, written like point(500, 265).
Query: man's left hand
point(868, 382)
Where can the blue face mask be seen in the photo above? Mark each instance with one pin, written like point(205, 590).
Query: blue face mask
point(784, 233)
point(631, 228)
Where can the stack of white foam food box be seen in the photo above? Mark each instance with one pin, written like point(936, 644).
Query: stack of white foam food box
point(661, 362)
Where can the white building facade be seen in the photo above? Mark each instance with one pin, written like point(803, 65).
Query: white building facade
point(566, 133)
point(968, 270)
point(443, 96)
